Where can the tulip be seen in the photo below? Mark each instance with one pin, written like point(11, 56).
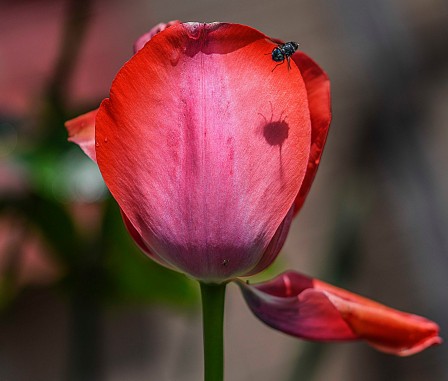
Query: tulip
point(210, 153)
point(205, 148)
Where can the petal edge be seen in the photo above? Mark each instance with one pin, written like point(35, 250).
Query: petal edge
point(317, 86)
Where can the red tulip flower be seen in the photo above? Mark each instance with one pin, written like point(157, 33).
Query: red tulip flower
point(210, 152)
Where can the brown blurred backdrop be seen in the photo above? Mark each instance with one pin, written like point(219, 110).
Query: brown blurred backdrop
point(376, 220)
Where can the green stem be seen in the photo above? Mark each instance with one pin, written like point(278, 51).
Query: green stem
point(213, 318)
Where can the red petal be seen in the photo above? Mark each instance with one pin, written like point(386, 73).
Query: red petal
point(81, 131)
point(318, 90)
point(314, 310)
point(205, 147)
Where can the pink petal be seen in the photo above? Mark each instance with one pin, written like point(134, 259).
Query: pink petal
point(81, 131)
point(204, 147)
point(318, 89)
point(141, 243)
point(275, 245)
point(314, 310)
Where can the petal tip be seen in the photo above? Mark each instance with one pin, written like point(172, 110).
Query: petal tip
point(81, 130)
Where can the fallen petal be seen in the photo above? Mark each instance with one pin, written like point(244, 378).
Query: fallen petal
point(310, 309)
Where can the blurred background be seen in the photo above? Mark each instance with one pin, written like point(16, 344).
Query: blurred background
point(79, 302)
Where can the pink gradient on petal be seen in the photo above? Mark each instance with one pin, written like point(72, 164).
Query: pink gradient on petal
point(306, 314)
point(141, 243)
point(205, 165)
point(311, 309)
point(275, 245)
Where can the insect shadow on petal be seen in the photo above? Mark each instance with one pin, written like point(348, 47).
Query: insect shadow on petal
point(275, 132)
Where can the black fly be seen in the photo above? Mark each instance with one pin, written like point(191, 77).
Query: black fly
point(284, 52)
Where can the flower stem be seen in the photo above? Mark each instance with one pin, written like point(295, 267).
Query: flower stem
point(213, 318)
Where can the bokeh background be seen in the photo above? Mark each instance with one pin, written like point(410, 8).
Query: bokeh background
point(79, 302)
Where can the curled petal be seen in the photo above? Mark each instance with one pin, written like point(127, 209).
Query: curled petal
point(204, 147)
point(142, 40)
point(310, 309)
point(81, 130)
point(318, 90)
